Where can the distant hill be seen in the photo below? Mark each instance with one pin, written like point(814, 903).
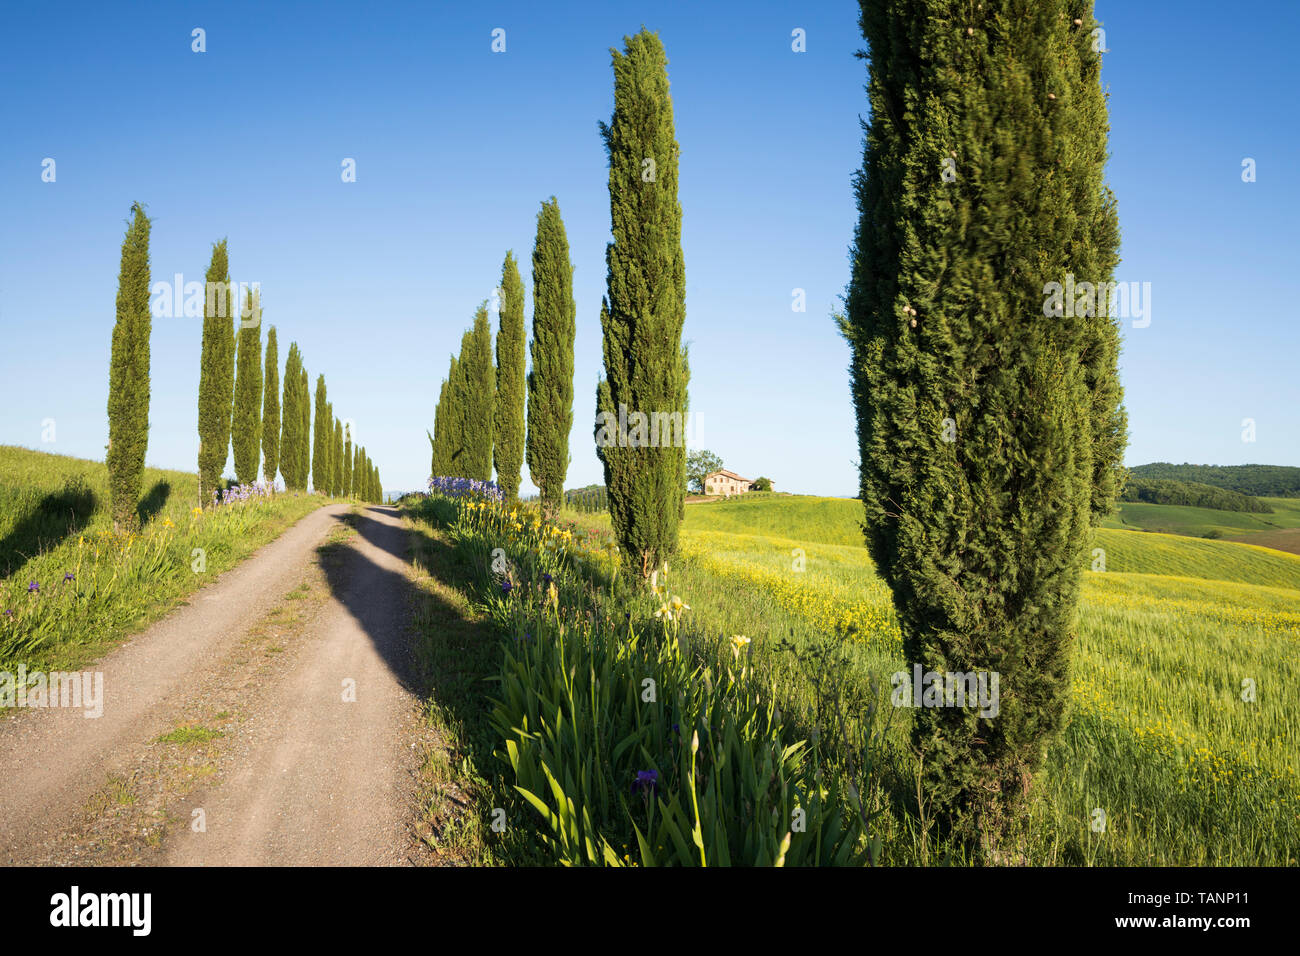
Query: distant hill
point(1167, 491)
point(1273, 481)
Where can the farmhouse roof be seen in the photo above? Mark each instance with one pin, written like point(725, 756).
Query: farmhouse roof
point(729, 474)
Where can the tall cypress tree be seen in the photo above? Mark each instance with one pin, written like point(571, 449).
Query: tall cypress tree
point(642, 314)
point(246, 420)
point(291, 417)
point(550, 383)
point(509, 425)
point(128, 374)
point(216, 373)
point(320, 453)
point(441, 440)
point(480, 398)
point(990, 432)
point(347, 461)
point(336, 460)
point(271, 409)
point(304, 432)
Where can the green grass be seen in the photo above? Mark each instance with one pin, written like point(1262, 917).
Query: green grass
point(189, 734)
point(1160, 739)
point(93, 586)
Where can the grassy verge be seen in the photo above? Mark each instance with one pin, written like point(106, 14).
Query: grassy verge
point(73, 586)
point(458, 654)
point(622, 737)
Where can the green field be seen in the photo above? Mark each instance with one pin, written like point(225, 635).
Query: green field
point(1169, 635)
point(70, 586)
point(1279, 530)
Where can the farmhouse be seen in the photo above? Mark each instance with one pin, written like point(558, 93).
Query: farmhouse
point(725, 482)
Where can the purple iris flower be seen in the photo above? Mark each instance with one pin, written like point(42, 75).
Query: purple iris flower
point(69, 576)
point(646, 781)
point(546, 578)
point(33, 587)
point(9, 612)
point(506, 586)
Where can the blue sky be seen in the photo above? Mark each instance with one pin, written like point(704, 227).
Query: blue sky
point(456, 146)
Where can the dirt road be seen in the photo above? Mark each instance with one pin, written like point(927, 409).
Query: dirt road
point(272, 720)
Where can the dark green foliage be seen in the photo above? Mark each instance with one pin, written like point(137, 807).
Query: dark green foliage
point(699, 465)
point(293, 435)
point(336, 461)
point(358, 476)
point(271, 409)
point(347, 462)
point(550, 383)
point(320, 444)
point(216, 373)
point(1271, 481)
point(448, 425)
point(762, 484)
point(458, 443)
point(1166, 491)
point(509, 425)
point(246, 421)
point(642, 314)
point(478, 397)
point(128, 375)
point(990, 434)
point(304, 435)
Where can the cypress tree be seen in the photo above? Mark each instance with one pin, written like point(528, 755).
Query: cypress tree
point(443, 426)
point(128, 374)
point(216, 373)
point(990, 432)
point(320, 454)
point(291, 418)
point(271, 410)
point(550, 383)
point(304, 431)
point(509, 425)
point(457, 445)
point(336, 460)
point(480, 398)
point(358, 480)
point(246, 420)
point(347, 461)
point(642, 313)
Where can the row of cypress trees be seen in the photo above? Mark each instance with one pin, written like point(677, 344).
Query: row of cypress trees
point(239, 402)
point(249, 414)
point(642, 314)
point(991, 434)
point(499, 413)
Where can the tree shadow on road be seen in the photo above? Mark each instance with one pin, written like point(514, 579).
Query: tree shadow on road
point(440, 648)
